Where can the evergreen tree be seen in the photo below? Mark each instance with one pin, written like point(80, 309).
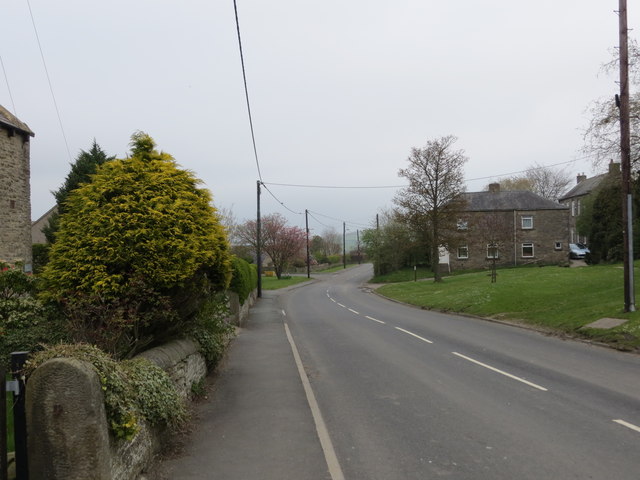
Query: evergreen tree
point(85, 165)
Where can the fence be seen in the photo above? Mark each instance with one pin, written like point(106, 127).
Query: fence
point(17, 387)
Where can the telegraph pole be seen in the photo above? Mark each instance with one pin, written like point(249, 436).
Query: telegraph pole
point(625, 160)
point(344, 244)
point(306, 221)
point(259, 246)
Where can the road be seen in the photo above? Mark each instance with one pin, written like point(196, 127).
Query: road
point(412, 394)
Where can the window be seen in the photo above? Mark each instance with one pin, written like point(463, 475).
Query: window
point(463, 225)
point(573, 208)
point(463, 251)
point(527, 222)
point(527, 250)
point(558, 246)
point(492, 251)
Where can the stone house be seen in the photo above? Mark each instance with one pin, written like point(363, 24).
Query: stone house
point(15, 195)
point(512, 227)
point(574, 199)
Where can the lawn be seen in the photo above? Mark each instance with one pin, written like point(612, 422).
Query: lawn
point(560, 298)
point(272, 283)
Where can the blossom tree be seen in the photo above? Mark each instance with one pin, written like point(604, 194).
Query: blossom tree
point(281, 242)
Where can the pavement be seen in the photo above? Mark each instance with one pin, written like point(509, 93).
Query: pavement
point(256, 422)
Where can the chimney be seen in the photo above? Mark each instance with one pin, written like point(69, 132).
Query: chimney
point(614, 168)
point(581, 178)
point(494, 187)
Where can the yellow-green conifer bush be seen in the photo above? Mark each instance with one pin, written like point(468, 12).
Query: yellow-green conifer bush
point(139, 249)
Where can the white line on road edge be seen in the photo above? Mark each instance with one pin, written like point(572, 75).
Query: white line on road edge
point(374, 319)
point(353, 311)
point(413, 335)
point(628, 425)
point(323, 434)
point(500, 372)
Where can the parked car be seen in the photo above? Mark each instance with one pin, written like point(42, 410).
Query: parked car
point(578, 250)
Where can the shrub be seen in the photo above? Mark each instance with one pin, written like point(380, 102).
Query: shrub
point(210, 328)
point(334, 259)
point(244, 278)
point(137, 241)
point(24, 321)
point(40, 253)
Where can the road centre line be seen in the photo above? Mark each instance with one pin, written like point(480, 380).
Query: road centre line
point(343, 306)
point(335, 471)
point(628, 425)
point(502, 372)
point(413, 334)
point(353, 311)
point(375, 319)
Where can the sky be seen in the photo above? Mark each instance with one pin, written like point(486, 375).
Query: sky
point(339, 91)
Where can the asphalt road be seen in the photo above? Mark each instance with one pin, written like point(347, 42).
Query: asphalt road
point(411, 394)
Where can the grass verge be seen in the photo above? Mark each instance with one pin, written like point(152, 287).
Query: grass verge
point(557, 298)
point(272, 283)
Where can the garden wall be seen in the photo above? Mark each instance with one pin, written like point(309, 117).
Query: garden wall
point(68, 435)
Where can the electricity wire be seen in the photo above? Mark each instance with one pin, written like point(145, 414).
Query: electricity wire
point(246, 91)
point(6, 79)
point(46, 70)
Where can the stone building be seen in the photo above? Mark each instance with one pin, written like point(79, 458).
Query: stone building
point(15, 194)
point(574, 199)
point(514, 227)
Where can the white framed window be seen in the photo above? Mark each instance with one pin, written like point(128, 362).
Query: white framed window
point(463, 252)
point(573, 208)
point(527, 222)
point(558, 246)
point(527, 250)
point(492, 251)
point(463, 225)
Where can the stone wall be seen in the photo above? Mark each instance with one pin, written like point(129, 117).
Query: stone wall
point(68, 435)
point(15, 197)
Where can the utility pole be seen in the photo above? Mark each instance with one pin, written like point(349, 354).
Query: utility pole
point(306, 221)
point(344, 244)
point(625, 160)
point(259, 246)
point(358, 238)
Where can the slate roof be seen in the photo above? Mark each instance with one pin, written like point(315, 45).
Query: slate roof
point(8, 120)
point(511, 200)
point(585, 187)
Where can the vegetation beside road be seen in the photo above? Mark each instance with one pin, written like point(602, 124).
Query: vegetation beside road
point(274, 283)
point(556, 298)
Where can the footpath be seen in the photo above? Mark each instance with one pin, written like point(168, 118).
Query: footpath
point(256, 422)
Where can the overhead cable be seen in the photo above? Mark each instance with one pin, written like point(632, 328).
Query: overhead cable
point(246, 91)
point(46, 71)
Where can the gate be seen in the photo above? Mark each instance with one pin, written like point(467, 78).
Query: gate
point(17, 387)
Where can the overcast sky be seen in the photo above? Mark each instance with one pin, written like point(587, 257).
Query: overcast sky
point(340, 90)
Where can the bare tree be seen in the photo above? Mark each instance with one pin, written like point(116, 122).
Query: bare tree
point(332, 242)
point(602, 134)
point(492, 229)
point(432, 198)
point(547, 182)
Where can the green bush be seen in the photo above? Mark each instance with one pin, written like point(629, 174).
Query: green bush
point(244, 278)
point(210, 328)
point(142, 246)
point(40, 253)
point(334, 259)
point(25, 322)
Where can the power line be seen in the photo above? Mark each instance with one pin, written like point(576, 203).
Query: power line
point(8, 87)
point(280, 202)
point(246, 91)
point(46, 71)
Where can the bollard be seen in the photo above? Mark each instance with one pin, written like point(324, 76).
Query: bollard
point(18, 360)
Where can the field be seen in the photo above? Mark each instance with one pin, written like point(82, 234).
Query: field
point(557, 298)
